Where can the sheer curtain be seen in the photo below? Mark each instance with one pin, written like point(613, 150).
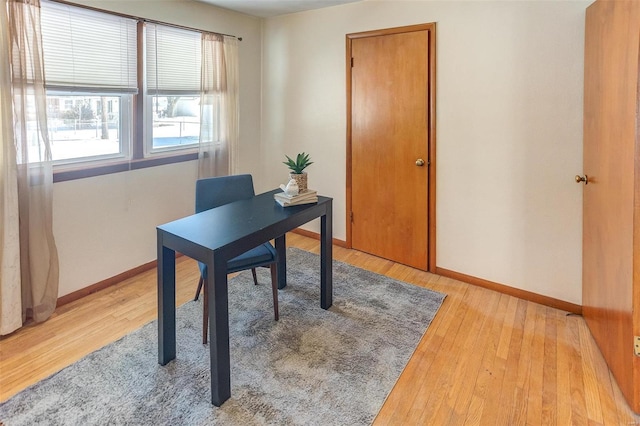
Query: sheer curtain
point(26, 172)
point(219, 116)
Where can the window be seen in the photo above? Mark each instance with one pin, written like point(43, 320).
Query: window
point(88, 126)
point(176, 122)
point(173, 87)
point(90, 61)
point(99, 110)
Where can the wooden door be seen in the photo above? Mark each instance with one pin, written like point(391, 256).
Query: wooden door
point(389, 144)
point(610, 212)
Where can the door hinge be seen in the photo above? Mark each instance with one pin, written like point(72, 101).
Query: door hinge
point(636, 345)
point(351, 217)
point(352, 62)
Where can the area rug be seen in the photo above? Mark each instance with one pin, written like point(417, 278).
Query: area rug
point(312, 367)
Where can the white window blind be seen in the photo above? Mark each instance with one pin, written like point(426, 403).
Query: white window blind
point(173, 60)
point(88, 51)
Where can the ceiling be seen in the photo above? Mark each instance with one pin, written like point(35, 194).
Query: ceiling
point(269, 8)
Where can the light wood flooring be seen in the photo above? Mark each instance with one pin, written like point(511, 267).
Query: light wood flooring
point(487, 358)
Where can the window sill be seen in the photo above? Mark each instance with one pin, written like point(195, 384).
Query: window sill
point(103, 168)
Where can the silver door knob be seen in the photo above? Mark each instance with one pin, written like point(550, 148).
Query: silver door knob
point(584, 179)
point(419, 162)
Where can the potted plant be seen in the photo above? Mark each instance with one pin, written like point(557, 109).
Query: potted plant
point(296, 168)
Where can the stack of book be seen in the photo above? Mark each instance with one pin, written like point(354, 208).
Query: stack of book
point(305, 197)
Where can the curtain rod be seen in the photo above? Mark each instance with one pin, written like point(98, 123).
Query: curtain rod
point(138, 18)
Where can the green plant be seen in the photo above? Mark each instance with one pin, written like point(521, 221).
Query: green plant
point(301, 162)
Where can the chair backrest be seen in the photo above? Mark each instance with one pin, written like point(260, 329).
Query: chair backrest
point(216, 191)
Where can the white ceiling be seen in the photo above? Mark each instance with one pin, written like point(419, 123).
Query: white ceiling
point(268, 8)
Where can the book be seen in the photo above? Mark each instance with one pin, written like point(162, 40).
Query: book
point(306, 197)
point(296, 203)
point(304, 194)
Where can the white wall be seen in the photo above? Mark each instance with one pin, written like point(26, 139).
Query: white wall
point(105, 225)
point(509, 127)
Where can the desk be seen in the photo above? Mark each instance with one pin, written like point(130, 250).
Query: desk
point(215, 236)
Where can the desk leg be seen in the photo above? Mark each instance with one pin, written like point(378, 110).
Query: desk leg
point(166, 303)
point(281, 248)
point(326, 258)
point(219, 331)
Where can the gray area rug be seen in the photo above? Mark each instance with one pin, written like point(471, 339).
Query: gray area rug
point(320, 367)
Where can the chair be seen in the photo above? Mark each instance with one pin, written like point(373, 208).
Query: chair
point(217, 191)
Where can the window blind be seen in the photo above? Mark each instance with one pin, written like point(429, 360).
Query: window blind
point(88, 51)
point(173, 60)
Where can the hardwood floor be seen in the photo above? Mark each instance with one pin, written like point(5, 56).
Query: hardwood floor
point(487, 358)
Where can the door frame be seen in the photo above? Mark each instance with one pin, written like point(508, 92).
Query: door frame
point(431, 130)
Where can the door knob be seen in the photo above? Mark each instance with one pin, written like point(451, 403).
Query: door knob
point(419, 162)
point(584, 179)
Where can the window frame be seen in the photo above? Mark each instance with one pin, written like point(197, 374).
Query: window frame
point(125, 121)
point(149, 149)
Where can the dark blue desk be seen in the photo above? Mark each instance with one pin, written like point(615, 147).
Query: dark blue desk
point(215, 236)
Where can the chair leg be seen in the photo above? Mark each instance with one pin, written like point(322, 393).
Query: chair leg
point(255, 278)
point(198, 290)
point(205, 313)
point(274, 289)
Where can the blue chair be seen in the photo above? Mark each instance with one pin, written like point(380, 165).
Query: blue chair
point(217, 191)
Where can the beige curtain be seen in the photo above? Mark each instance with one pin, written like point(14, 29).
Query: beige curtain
point(26, 166)
point(10, 293)
point(219, 116)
